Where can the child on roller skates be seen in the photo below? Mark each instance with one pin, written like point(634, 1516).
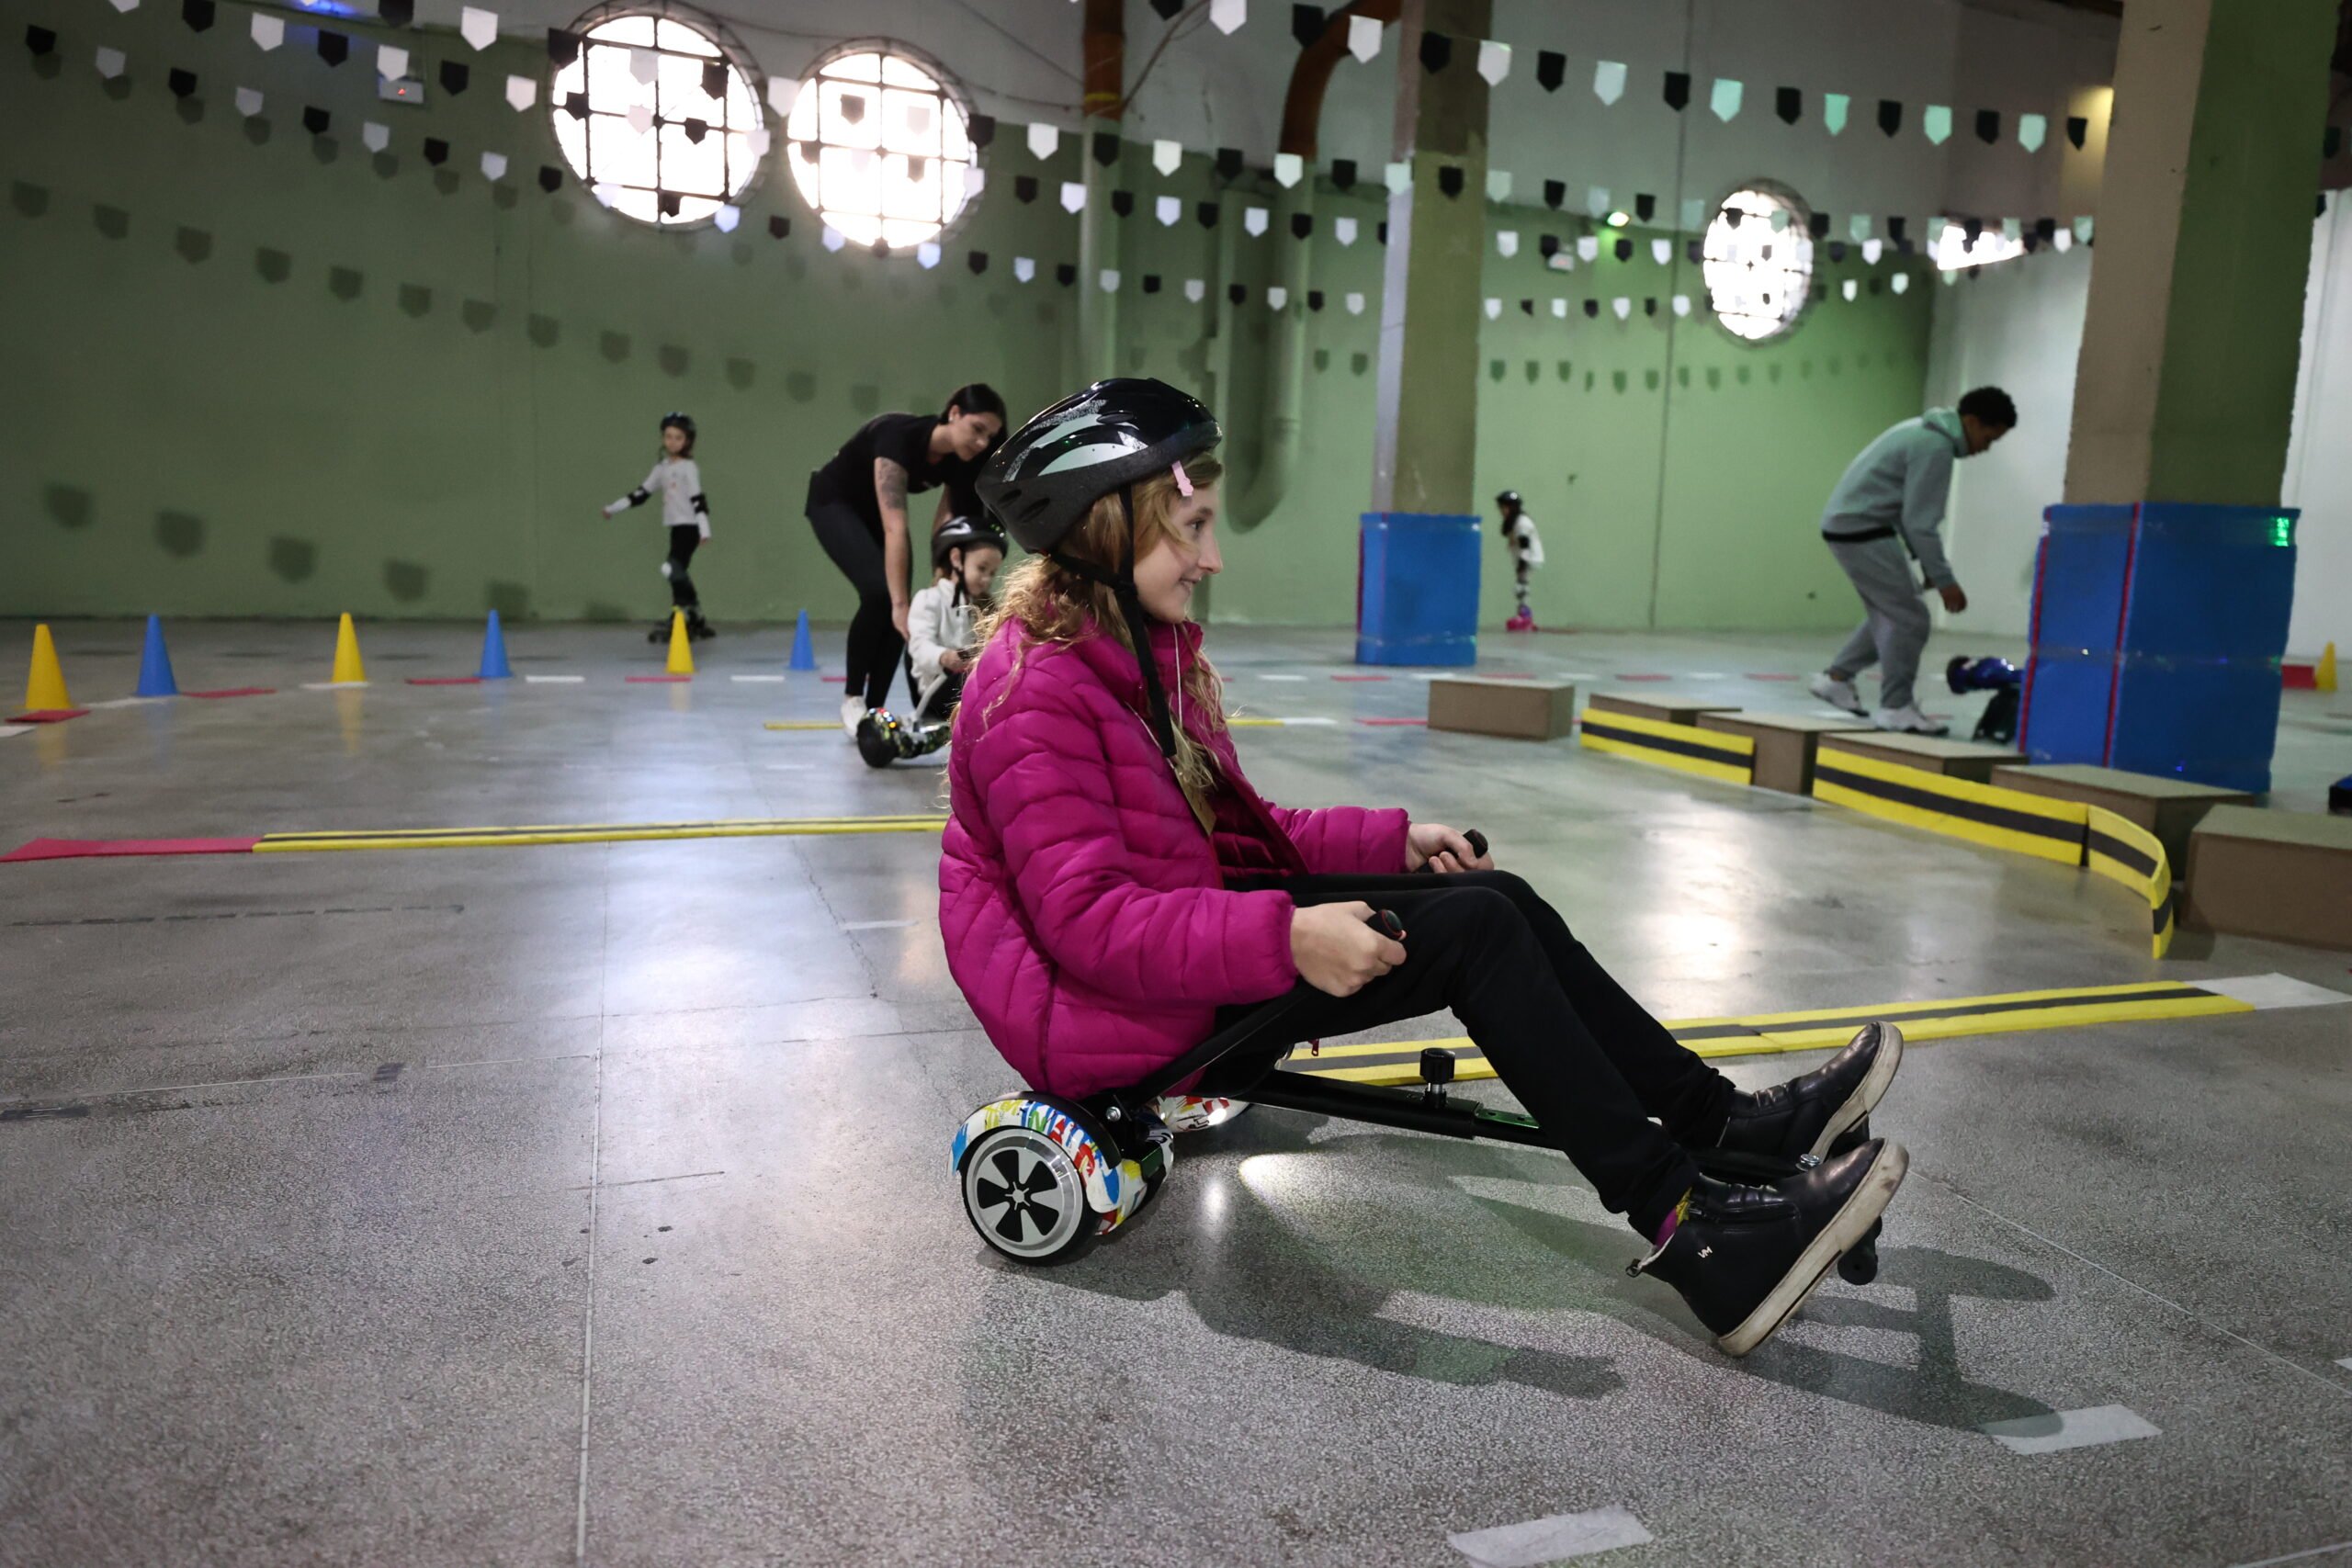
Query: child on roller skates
point(964, 555)
point(1112, 889)
point(1527, 554)
point(679, 482)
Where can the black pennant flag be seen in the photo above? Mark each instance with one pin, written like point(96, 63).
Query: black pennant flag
point(2046, 228)
point(1836, 249)
point(1123, 202)
point(454, 74)
point(1343, 173)
point(1649, 305)
point(1151, 283)
point(978, 260)
point(315, 120)
point(183, 82)
point(1819, 224)
point(1315, 298)
point(196, 13)
point(1973, 230)
point(1306, 24)
point(1380, 231)
point(1592, 308)
point(1437, 49)
point(878, 248)
point(1167, 9)
point(1207, 212)
point(550, 178)
point(1548, 246)
point(2076, 129)
point(779, 226)
point(1677, 90)
point(1554, 193)
point(563, 47)
point(1890, 116)
point(1789, 104)
point(1527, 307)
point(1988, 125)
point(1106, 147)
point(1024, 188)
point(1450, 179)
point(1644, 206)
point(1065, 274)
point(1624, 250)
point(714, 79)
point(1302, 224)
point(1551, 70)
point(1894, 227)
point(39, 39)
point(437, 152)
point(1696, 250)
point(1229, 162)
point(576, 104)
point(334, 47)
point(981, 129)
point(1237, 292)
point(396, 13)
point(670, 204)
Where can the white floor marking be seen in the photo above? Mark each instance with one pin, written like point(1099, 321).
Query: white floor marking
point(8, 730)
point(2069, 1429)
point(879, 925)
point(555, 680)
point(1551, 1539)
point(1299, 721)
point(2345, 1361)
point(353, 685)
point(759, 680)
point(2268, 991)
point(1282, 677)
point(1578, 675)
point(1708, 675)
point(129, 702)
point(2303, 1556)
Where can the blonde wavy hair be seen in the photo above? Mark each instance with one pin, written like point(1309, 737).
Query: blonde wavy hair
point(1052, 604)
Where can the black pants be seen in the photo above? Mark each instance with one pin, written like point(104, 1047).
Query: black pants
point(1588, 1064)
point(684, 539)
point(875, 645)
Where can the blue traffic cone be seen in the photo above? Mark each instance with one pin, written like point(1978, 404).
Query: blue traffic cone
point(494, 653)
point(804, 651)
point(155, 664)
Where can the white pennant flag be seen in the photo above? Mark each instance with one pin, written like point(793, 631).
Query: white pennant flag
point(1277, 297)
point(1363, 37)
point(494, 167)
point(1110, 280)
point(1682, 304)
point(1872, 251)
point(111, 62)
point(1901, 282)
point(1559, 310)
point(1227, 15)
point(1622, 306)
point(641, 119)
point(1498, 184)
point(2083, 229)
point(1596, 202)
point(1289, 169)
point(1399, 178)
point(1494, 61)
point(757, 141)
point(1860, 226)
point(861, 158)
point(2064, 239)
point(1588, 247)
point(374, 137)
point(728, 215)
point(2013, 227)
point(126, 8)
point(1494, 309)
point(248, 100)
point(1848, 290)
point(1506, 242)
point(1073, 195)
point(1043, 139)
point(927, 254)
point(1167, 155)
point(391, 61)
point(605, 192)
point(478, 26)
point(644, 64)
point(782, 94)
point(522, 92)
point(1694, 213)
point(1608, 80)
point(1195, 289)
point(268, 31)
point(1662, 251)
point(1355, 301)
point(1253, 220)
point(1023, 268)
point(1780, 218)
point(834, 239)
point(974, 177)
point(1344, 231)
point(1168, 209)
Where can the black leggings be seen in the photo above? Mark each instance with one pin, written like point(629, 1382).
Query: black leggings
point(875, 645)
point(1581, 1055)
point(684, 539)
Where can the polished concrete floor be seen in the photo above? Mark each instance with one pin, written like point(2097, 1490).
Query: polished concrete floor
point(591, 1203)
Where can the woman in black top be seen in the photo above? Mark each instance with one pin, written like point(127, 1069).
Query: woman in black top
point(858, 503)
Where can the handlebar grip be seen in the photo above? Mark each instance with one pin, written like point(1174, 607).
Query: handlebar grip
point(1478, 842)
point(1385, 922)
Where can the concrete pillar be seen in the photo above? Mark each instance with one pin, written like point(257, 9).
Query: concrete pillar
point(2186, 383)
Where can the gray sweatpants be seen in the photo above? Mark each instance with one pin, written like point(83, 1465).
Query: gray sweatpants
point(1896, 630)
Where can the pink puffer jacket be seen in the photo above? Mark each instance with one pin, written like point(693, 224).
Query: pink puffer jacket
point(1084, 910)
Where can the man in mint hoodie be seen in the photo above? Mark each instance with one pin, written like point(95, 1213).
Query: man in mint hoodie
point(1884, 513)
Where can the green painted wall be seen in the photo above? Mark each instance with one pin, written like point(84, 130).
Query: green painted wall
point(251, 371)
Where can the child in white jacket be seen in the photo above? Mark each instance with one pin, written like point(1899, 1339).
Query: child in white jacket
point(1526, 553)
point(965, 555)
point(678, 481)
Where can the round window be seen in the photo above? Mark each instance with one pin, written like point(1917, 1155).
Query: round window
point(1758, 260)
point(658, 115)
point(881, 144)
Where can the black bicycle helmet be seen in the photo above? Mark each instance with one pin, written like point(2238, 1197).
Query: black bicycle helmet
point(681, 422)
point(1507, 498)
point(1050, 472)
point(964, 534)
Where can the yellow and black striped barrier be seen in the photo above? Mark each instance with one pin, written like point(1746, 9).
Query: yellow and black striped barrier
point(589, 833)
point(1984, 814)
point(1710, 753)
point(1399, 1061)
point(2122, 850)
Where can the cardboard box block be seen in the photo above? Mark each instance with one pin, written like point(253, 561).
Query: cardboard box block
point(1657, 710)
point(2169, 808)
point(2282, 875)
point(1524, 710)
point(1784, 743)
point(1971, 760)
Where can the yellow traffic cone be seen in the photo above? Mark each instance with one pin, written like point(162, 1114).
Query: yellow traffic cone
point(2322, 676)
point(45, 686)
point(348, 669)
point(682, 652)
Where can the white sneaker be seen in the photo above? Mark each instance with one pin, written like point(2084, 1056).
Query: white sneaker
point(853, 715)
point(1838, 694)
point(1908, 720)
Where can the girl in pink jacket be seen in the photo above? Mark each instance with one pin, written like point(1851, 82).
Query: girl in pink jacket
point(1112, 889)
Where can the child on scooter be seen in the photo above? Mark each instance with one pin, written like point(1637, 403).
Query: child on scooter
point(1110, 883)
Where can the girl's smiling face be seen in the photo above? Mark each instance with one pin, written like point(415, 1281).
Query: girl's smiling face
point(1185, 553)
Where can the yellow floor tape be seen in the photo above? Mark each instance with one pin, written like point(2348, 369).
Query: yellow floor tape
point(802, 724)
point(591, 833)
point(1398, 1061)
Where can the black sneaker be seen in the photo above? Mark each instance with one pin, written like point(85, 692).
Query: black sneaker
point(1807, 1116)
point(1745, 1257)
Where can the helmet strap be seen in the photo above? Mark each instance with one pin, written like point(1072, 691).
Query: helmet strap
point(1123, 587)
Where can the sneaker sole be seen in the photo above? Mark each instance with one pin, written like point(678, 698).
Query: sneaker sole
point(1857, 710)
point(1852, 1222)
point(1867, 1093)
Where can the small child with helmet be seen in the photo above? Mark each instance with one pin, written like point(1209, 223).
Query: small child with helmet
point(684, 511)
point(1526, 555)
point(964, 555)
point(1112, 891)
